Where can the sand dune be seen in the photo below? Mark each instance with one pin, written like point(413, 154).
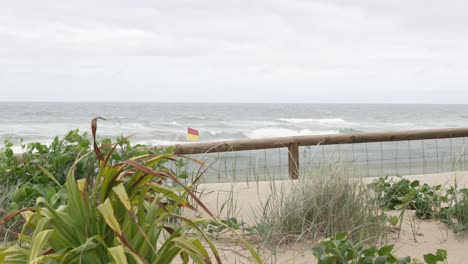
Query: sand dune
point(430, 234)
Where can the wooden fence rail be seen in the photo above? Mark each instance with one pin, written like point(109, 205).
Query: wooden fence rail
point(293, 143)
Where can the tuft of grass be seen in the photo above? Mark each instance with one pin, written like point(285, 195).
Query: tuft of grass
point(324, 201)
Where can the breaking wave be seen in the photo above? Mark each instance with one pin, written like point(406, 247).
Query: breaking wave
point(337, 121)
point(283, 132)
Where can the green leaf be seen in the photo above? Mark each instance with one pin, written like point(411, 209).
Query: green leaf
point(49, 175)
point(381, 260)
point(14, 254)
point(442, 253)
point(404, 260)
point(400, 206)
point(39, 242)
point(118, 254)
point(8, 144)
point(192, 250)
point(75, 254)
point(385, 250)
point(369, 252)
point(168, 192)
point(460, 228)
point(135, 257)
point(341, 236)
point(120, 191)
point(19, 195)
point(182, 175)
point(431, 258)
point(107, 211)
point(393, 220)
point(9, 153)
point(318, 252)
point(414, 184)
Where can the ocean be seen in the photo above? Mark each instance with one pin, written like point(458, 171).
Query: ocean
point(167, 123)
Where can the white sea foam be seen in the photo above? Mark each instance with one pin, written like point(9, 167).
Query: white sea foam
point(215, 132)
point(170, 123)
point(174, 142)
point(336, 121)
point(396, 126)
point(283, 132)
point(248, 123)
point(17, 149)
point(160, 142)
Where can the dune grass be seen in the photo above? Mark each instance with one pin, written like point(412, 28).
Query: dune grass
point(324, 201)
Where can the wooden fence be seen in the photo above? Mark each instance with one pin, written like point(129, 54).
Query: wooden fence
point(293, 143)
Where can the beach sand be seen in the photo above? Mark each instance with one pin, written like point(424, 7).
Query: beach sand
point(430, 234)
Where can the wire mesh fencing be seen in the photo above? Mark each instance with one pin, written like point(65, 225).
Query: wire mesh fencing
point(367, 159)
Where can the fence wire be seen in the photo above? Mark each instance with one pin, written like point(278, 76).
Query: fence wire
point(369, 159)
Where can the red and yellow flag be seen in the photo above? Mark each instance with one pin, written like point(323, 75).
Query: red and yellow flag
point(192, 134)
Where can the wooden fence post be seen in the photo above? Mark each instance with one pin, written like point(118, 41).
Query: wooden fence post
point(293, 160)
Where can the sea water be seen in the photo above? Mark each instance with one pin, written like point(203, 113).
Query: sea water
point(167, 123)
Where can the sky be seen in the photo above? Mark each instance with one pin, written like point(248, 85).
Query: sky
point(295, 51)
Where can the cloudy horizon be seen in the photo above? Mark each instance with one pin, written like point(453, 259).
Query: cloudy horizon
point(297, 51)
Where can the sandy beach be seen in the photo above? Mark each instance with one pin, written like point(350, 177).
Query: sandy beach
point(430, 234)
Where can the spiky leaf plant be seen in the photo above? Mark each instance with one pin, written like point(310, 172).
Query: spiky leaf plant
point(127, 215)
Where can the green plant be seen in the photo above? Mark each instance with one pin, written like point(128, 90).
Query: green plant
point(224, 225)
point(455, 214)
point(393, 220)
point(128, 214)
point(27, 176)
point(30, 171)
point(40, 169)
point(339, 249)
point(428, 201)
point(450, 205)
point(393, 193)
point(406, 194)
point(321, 203)
point(28, 191)
point(439, 256)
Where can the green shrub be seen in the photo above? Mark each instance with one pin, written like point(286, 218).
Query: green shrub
point(339, 249)
point(389, 192)
point(31, 172)
point(450, 205)
point(403, 193)
point(41, 169)
point(128, 214)
point(455, 214)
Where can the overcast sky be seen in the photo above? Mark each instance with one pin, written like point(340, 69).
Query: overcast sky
point(308, 51)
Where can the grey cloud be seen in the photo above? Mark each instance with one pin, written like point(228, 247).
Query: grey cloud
point(234, 50)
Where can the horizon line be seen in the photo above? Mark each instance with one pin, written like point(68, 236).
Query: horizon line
point(232, 102)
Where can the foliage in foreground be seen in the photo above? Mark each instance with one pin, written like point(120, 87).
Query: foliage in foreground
point(448, 204)
point(339, 249)
point(127, 214)
point(41, 169)
point(26, 174)
point(321, 203)
point(457, 210)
